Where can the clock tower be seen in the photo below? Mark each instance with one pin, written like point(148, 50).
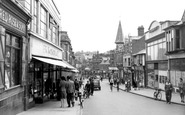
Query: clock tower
point(119, 51)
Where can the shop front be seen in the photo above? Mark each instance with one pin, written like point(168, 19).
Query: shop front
point(140, 75)
point(177, 71)
point(45, 68)
point(162, 74)
point(157, 74)
point(13, 60)
point(150, 75)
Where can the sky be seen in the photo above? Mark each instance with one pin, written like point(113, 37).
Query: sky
point(92, 24)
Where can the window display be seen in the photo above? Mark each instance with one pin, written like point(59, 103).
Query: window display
point(12, 64)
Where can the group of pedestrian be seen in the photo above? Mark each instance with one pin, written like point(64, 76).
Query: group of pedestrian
point(89, 87)
point(114, 81)
point(67, 90)
point(169, 90)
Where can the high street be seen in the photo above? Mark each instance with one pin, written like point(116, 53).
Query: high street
point(105, 102)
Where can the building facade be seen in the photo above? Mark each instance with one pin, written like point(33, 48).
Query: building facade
point(156, 60)
point(138, 61)
point(68, 54)
point(175, 51)
point(14, 21)
point(45, 54)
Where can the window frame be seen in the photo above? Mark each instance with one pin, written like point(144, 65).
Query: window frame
point(43, 22)
point(10, 78)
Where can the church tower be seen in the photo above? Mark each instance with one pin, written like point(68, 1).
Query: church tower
point(119, 38)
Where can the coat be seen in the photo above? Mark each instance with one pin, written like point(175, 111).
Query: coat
point(70, 87)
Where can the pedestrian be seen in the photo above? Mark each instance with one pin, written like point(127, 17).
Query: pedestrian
point(70, 91)
point(80, 82)
point(63, 94)
point(87, 89)
point(58, 89)
point(128, 85)
point(168, 91)
point(111, 84)
point(92, 86)
point(77, 86)
point(117, 82)
point(134, 84)
point(181, 90)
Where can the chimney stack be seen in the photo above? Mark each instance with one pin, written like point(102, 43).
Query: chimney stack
point(140, 31)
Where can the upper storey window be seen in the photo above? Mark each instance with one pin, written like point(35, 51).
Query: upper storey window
point(177, 39)
point(35, 17)
point(43, 22)
point(52, 32)
point(173, 40)
point(28, 5)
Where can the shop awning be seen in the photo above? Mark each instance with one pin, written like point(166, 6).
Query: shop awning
point(75, 70)
point(113, 68)
point(69, 66)
point(52, 61)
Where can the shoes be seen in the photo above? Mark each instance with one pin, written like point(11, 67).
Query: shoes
point(73, 103)
point(68, 106)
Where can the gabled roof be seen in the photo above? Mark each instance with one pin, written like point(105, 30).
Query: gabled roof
point(119, 37)
point(140, 52)
point(105, 61)
point(183, 17)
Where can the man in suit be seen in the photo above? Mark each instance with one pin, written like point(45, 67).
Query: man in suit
point(70, 91)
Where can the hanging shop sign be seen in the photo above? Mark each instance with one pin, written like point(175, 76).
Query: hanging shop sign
point(10, 20)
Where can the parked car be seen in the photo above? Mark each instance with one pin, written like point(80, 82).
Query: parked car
point(97, 82)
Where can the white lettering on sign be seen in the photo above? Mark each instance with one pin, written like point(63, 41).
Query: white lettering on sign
point(50, 51)
point(12, 21)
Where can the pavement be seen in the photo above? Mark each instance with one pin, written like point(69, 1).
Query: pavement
point(148, 93)
point(52, 107)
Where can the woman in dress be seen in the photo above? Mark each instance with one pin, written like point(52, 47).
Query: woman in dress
point(63, 85)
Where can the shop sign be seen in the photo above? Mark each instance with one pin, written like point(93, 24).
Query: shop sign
point(139, 68)
point(8, 19)
point(177, 64)
point(150, 66)
point(41, 48)
point(163, 66)
point(49, 50)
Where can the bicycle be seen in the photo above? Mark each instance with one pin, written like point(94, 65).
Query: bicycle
point(157, 94)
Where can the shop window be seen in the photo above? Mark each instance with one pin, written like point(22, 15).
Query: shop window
point(12, 63)
point(162, 79)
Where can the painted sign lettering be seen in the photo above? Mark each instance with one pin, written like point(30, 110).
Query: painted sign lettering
point(12, 21)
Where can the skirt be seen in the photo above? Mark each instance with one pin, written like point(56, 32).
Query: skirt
point(63, 95)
